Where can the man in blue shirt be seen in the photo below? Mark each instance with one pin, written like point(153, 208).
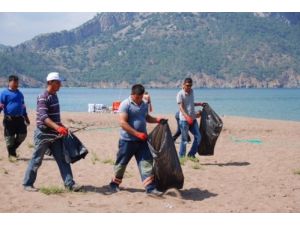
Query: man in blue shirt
point(133, 140)
point(15, 117)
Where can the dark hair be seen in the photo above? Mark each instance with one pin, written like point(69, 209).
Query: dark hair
point(137, 89)
point(188, 80)
point(13, 78)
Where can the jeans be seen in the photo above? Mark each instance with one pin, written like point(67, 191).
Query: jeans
point(178, 131)
point(144, 159)
point(41, 146)
point(194, 129)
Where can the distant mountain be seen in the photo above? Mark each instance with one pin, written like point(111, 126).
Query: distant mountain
point(2, 47)
point(160, 49)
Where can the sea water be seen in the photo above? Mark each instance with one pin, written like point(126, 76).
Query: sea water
point(282, 104)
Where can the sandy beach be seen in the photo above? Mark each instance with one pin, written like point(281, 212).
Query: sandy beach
point(256, 168)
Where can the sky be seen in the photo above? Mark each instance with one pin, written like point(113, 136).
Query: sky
point(22, 20)
point(16, 28)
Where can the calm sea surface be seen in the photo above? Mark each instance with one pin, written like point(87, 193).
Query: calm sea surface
point(283, 104)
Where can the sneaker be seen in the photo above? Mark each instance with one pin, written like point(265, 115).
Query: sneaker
point(30, 189)
point(154, 192)
point(193, 158)
point(114, 187)
point(75, 187)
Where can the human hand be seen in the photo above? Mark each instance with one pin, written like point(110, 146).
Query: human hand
point(63, 131)
point(142, 136)
point(189, 120)
point(199, 104)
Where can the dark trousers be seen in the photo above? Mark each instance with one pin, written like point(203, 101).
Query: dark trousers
point(143, 157)
point(15, 132)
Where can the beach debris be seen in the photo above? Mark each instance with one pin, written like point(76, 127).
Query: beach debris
point(256, 141)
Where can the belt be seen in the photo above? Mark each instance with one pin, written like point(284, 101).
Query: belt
point(12, 117)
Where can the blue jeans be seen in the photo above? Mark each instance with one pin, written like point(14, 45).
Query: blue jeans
point(194, 129)
point(143, 157)
point(41, 145)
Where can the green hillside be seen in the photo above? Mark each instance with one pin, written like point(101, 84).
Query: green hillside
point(165, 47)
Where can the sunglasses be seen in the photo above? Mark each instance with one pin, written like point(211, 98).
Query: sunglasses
point(188, 85)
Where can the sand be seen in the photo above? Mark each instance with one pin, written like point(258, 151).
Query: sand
point(240, 177)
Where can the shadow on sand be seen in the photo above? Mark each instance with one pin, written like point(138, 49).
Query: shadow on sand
point(105, 189)
point(28, 159)
point(193, 194)
point(227, 164)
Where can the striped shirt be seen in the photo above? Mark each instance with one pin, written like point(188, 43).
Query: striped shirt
point(47, 107)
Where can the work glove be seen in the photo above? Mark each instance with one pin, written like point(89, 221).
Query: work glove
point(142, 136)
point(161, 120)
point(62, 131)
point(189, 120)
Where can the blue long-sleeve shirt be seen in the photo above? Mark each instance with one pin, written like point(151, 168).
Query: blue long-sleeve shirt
point(12, 103)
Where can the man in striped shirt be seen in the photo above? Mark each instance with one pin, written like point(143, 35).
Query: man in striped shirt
point(49, 126)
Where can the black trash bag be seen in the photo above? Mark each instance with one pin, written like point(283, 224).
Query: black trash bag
point(73, 149)
point(167, 169)
point(210, 129)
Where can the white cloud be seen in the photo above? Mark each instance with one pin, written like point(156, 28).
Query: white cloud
point(16, 28)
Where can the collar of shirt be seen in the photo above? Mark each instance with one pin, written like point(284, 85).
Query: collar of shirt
point(131, 101)
point(187, 93)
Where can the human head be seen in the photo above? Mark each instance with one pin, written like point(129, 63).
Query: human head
point(137, 92)
point(13, 82)
point(187, 84)
point(53, 82)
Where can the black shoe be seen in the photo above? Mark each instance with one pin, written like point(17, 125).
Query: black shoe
point(114, 187)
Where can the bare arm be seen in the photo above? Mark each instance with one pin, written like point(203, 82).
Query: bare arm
point(51, 124)
point(123, 120)
point(151, 119)
point(182, 110)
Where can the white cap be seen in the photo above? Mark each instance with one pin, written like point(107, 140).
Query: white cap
point(53, 76)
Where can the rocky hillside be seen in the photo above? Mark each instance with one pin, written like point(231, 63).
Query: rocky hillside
point(160, 49)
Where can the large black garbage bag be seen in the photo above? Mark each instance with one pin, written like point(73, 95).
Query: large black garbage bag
point(210, 129)
point(73, 149)
point(167, 169)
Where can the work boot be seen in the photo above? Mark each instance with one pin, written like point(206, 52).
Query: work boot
point(114, 187)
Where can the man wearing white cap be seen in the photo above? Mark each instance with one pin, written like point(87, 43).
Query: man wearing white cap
point(48, 127)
